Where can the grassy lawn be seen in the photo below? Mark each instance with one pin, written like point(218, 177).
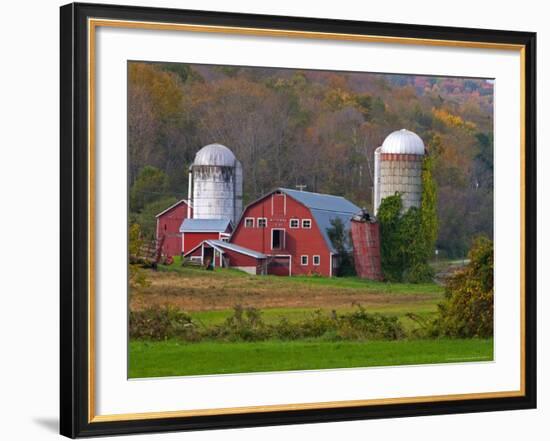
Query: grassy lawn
point(172, 358)
point(304, 281)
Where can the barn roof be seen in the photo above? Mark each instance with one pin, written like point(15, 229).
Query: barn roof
point(183, 201)
point(319, 201)
point(325, 208)
point(204, 225)
point(236, 248)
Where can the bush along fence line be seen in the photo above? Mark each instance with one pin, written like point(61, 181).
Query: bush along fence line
point(246, 324)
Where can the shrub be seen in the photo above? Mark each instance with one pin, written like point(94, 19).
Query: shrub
point(245, 324)
point(360, 325)
point(468, 308)
point(160, 323)
point(419, 273)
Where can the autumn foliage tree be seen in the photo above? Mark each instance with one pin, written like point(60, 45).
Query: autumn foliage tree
point(469, 296)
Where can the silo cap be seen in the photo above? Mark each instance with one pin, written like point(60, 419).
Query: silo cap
point(403, 142)
point(215, 154)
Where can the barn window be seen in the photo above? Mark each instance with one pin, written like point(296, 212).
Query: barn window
point(306, 223)
point(262, 222)
point(277, 239)
point(303, 260)
point(294, 223)
point(316, 260)
point(249, 222)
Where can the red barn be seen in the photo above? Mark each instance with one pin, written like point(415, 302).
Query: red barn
point(168, 227)
point(195, 231)
point(291, 228)
point(220, 254)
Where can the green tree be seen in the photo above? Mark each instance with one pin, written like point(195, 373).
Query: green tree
point(342, 243)
point(146, 218)
point(151, 184)
point(408, 239)
point(428, 209)
point(137, 276)
point(389, 217)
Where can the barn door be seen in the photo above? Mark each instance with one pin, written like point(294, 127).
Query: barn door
point(279, 266)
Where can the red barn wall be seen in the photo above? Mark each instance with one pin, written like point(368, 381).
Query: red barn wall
point(191, 240)
point(168, 224)
point(278, 210)
point(238, 259)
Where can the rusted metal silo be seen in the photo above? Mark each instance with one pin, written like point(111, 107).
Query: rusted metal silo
point(365, 237)
point(398, 168)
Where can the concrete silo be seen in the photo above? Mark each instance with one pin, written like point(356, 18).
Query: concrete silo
point(216, 184)
point(398, 168)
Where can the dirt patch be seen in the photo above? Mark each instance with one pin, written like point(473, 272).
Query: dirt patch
point(202, 293)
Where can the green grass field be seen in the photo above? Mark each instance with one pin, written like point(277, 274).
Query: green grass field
point(172, 358)
point(209, 297)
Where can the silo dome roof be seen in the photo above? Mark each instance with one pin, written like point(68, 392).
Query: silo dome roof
point(215, 154)
point(403, 142)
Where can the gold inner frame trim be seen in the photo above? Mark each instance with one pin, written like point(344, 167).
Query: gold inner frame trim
point(92, 25)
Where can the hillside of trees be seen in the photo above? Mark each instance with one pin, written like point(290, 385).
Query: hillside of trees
point(316, 128)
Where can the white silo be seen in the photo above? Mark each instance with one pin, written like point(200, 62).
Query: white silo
point(216, 184)
point(398, 168)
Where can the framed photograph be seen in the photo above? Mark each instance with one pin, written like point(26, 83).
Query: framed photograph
point(275, 220)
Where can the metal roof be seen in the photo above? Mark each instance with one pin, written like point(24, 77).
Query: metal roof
point(321, 201)
point(215, 154)
point(403, 142)
point(236, 248)
point(204, 225)
point(325, 208)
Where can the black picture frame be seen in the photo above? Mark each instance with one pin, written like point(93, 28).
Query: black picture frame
point(74, 325)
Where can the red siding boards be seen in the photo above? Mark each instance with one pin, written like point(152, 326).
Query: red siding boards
point(191, 239)
point(238, 259)
point(168, 224)
point(278, 210)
